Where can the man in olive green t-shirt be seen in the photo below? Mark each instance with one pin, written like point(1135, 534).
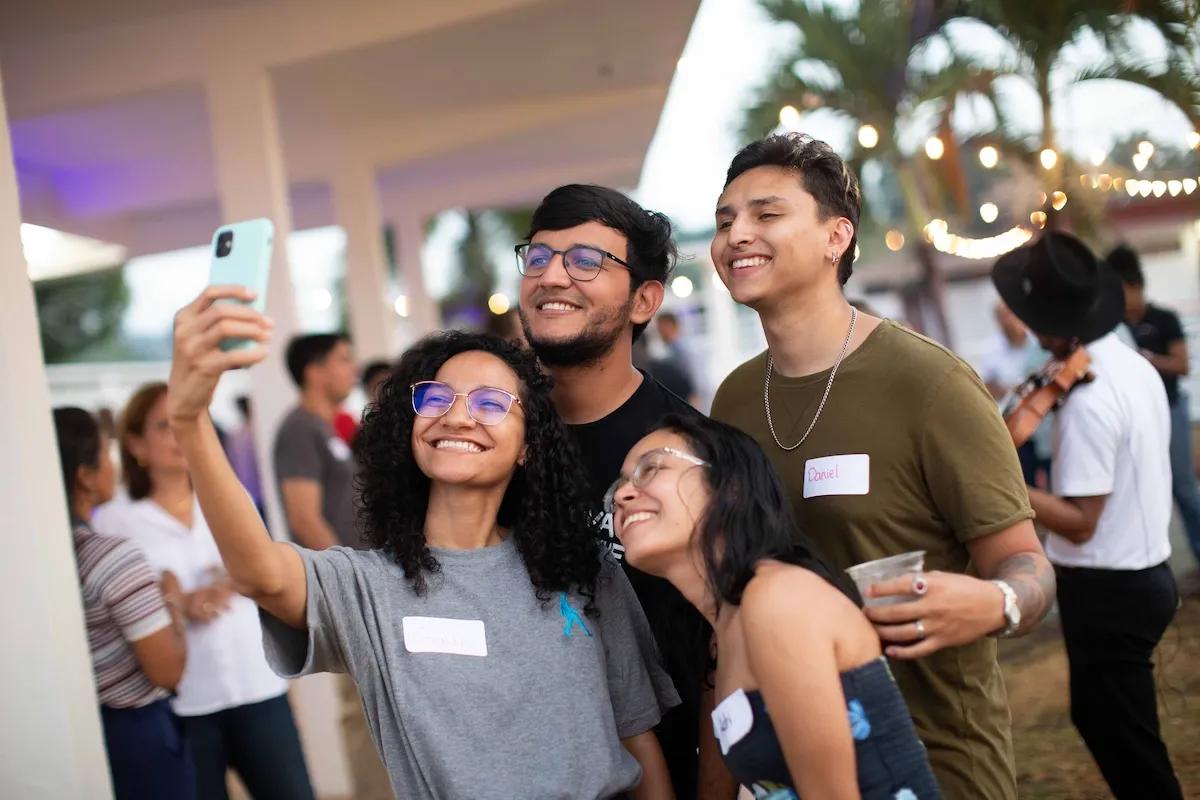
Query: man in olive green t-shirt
point(887, 443)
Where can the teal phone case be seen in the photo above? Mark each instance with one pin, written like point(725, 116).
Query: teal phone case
point(241, 256)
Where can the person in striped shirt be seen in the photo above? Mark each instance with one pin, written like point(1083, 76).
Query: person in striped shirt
point(135, 633)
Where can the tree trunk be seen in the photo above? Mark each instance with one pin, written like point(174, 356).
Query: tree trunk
point(933, 285)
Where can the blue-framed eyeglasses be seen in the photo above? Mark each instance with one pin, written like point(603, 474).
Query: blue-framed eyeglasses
point(486, 405)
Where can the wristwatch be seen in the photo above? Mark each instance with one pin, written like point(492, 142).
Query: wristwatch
point(1012, 611)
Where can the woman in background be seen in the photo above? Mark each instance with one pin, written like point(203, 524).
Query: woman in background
point(234, 707)
point(135, 635)
point(805, 702)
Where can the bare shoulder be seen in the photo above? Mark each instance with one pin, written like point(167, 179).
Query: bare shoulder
point(780, 591)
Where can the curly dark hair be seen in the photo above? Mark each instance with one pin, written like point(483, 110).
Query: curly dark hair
point(749, 516)
point(543, 504)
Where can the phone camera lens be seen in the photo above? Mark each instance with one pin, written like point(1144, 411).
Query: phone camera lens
point(224, 244)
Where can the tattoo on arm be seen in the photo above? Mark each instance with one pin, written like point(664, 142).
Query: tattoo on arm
point(1032, 578)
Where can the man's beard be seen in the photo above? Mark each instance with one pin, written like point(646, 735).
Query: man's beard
point(586, 348)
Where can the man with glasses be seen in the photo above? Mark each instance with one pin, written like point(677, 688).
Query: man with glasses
point(594, 267)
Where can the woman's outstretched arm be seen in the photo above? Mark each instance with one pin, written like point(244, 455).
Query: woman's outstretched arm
point(268, 572)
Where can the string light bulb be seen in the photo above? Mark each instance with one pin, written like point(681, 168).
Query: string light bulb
point(988, 212)
point(868, 136)
point(1049, 158)
point(935, 148)
point(894, 240)
point(498, 303)
point(1058, 200)
point(989, 156)
point(789, 117)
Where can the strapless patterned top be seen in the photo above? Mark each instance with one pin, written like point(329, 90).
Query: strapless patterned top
point(891, 761)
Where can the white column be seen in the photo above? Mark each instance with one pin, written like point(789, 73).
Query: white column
point(423, 314)
point(252, 182)
point(51, 744)
point(356, 208)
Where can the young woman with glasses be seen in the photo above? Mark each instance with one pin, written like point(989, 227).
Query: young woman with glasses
point(496, 653)
point(806, 705)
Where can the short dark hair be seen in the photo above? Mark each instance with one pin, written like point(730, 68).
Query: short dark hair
point(310, 349)
point(371, 370)
point(1125, 262)
point(822, 172)
point(78, 443)
point(652, 253)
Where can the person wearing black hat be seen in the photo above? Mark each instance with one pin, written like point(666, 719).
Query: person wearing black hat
point(1109, 511)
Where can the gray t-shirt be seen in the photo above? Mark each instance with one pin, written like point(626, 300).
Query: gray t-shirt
point(307, 447)
point(540, 716)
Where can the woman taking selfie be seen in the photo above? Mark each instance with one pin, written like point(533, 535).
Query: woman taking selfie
point(806, 705)
point(134, 632)
point(496, 655)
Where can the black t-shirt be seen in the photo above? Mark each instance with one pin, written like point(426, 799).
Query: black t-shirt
point(1157, 331)
point(681, 631)
point(673, 376)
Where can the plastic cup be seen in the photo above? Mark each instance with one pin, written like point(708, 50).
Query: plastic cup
point(882, 569)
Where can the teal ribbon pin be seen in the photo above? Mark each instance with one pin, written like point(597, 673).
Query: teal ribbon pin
point(571, 617)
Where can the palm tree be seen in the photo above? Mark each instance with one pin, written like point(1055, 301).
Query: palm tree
point(1042, 32)
point(868, 66)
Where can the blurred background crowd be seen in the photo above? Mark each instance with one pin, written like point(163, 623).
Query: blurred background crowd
point(400, 147)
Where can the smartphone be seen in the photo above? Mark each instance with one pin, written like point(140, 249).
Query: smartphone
point(241, 256)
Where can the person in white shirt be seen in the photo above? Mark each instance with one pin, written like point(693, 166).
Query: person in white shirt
point(1109, 512)
point(234, 707)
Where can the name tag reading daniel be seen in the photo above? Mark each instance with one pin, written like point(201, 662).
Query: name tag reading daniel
point(459, 637)
point(848, 474)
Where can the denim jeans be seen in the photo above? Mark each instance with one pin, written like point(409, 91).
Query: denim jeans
point(259, 741)
point(1184, 487)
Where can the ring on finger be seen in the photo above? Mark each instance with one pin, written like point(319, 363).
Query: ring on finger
point(920, 626)
point(919, 585)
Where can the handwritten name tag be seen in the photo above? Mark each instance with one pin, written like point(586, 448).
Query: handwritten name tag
point(732, 720)
point(460, 637)
point(848, 474)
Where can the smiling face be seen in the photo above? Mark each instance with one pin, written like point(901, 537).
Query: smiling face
point(569, 322)
point(454, 448)
point(655, 521)
point(771, 241)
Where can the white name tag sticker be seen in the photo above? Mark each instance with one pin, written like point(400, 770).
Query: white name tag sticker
point(459, 637)
point(848, 474)
point(732, 720)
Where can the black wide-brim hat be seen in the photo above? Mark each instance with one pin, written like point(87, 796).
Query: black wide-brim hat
point(1057, 287)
